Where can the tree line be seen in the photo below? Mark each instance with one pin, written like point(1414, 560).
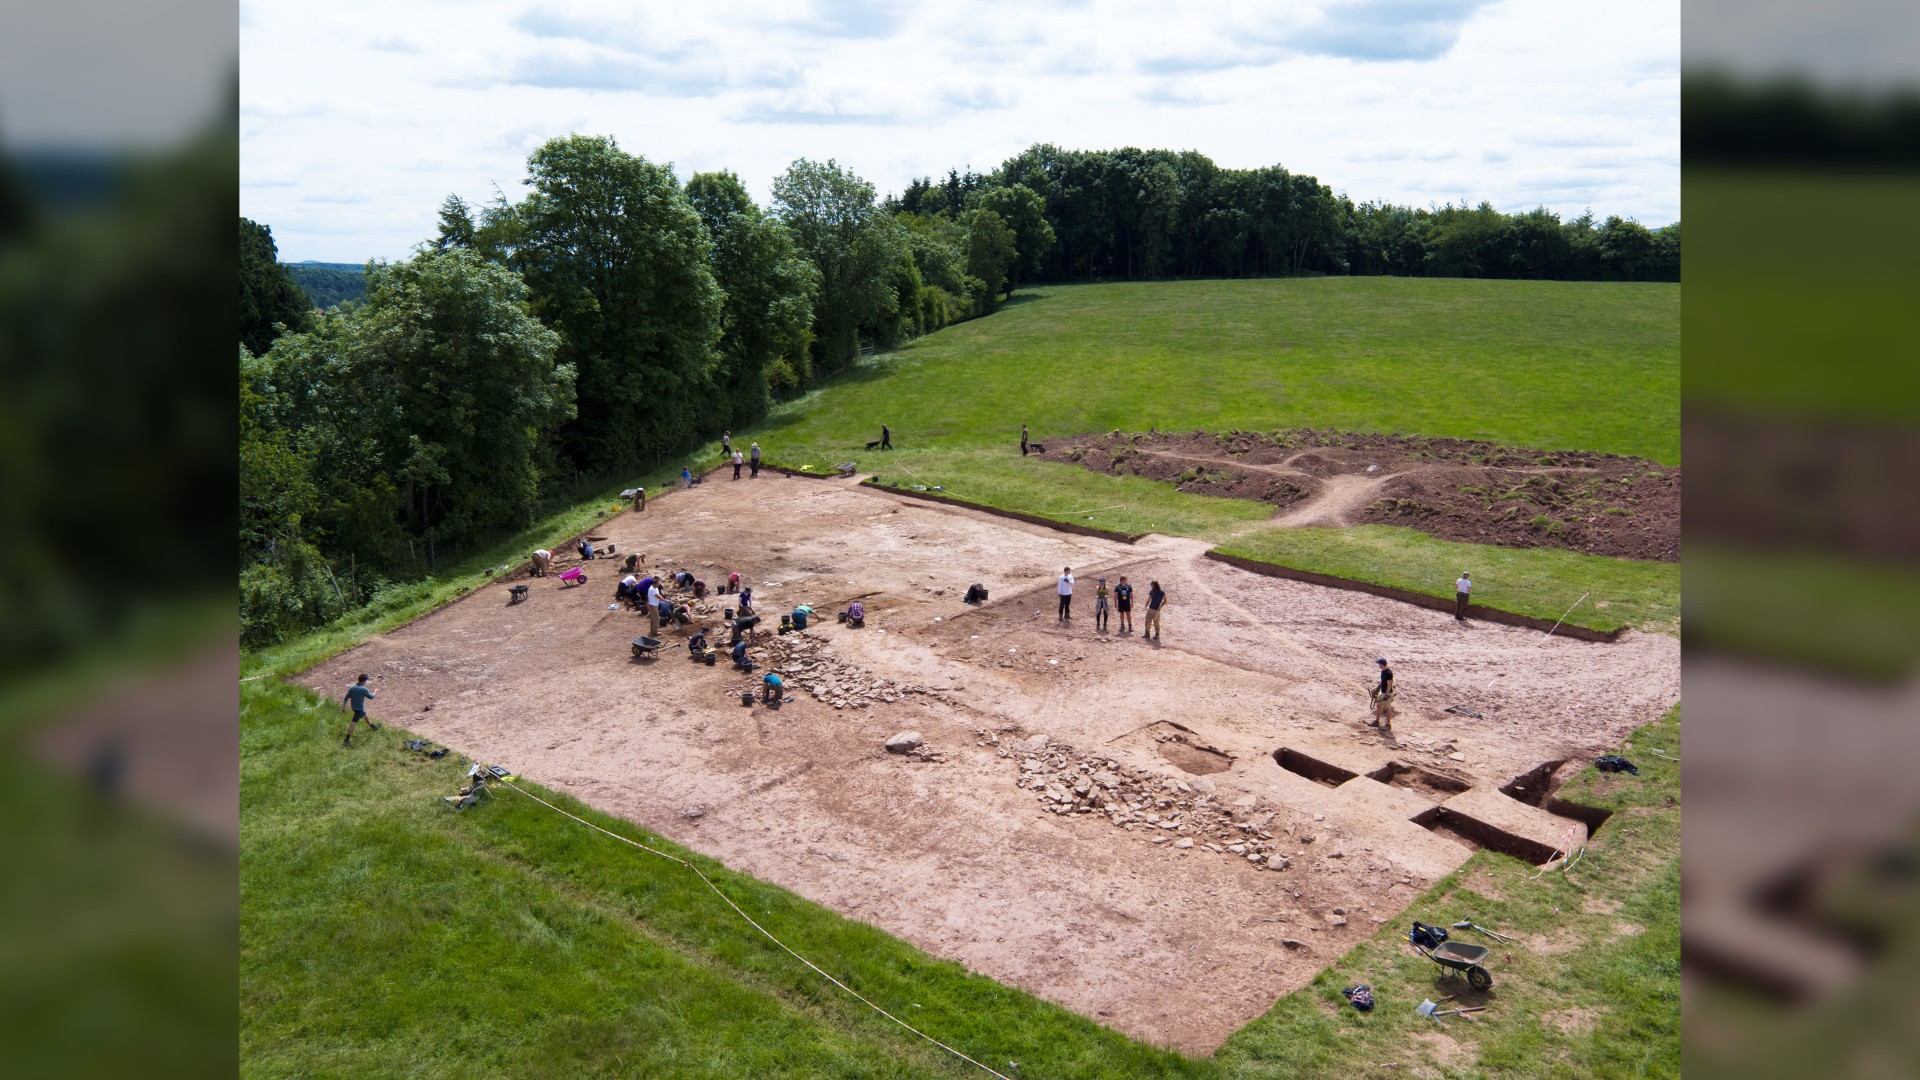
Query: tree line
point(1132, 213)
point(613, 316)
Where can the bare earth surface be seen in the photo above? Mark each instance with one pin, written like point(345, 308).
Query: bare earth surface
point(1455, 489)
point(1149, 861)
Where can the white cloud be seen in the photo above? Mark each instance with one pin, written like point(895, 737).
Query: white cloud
point(1519, 102)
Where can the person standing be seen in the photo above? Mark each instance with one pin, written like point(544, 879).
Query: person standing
point(1382, 695)
point(737, 459)
point(1100, 607)
point(357, 697)
point(1023, 440)
point(754, 460)
point(1460, 590)
point(653, 608)
point(1123, 601)
point(1066, 593)
point(1156, 599)
point(639, 498)
point(886, 437)
point(726, 446)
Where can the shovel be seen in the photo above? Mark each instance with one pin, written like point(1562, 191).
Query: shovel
point(1468, 924)
point(1431, 1010)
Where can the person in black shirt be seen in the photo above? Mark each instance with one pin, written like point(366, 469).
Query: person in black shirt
point(1382, 696)
point(886, 437)
point(1023, 440)
point(1156, 599)
point(1123, 603)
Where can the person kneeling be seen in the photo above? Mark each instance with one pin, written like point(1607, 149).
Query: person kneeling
point(855, 615)
point(740, 659)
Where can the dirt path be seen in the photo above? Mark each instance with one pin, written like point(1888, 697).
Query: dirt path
point(992, 850)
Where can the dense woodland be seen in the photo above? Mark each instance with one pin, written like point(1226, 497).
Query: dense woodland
point(613, 316)
point(327, 284)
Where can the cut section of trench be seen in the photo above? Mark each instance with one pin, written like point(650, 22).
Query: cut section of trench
point(1195, 760)
point(1311, 767)
point(1472, 832)
point(1536, 787)
point(1425, 781)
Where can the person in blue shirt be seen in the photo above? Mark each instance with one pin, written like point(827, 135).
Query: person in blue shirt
point(357, 697)
point(773, 688)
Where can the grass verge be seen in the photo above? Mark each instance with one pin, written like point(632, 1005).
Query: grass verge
point(1541, 582)
point(385, 935)
point(1592, 988)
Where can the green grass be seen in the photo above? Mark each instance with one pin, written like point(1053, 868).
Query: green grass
point(1626, 983)
point(1552, 365)
point(1542, 582)
point(385, 935)
point(1815, 609)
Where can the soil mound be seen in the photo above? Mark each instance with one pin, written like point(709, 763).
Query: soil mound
point(1455, 489)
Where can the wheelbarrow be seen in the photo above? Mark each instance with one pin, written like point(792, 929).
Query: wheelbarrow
point(645, 647)
point(1460, 956)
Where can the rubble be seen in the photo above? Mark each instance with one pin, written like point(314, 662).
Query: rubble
point(1167, 809)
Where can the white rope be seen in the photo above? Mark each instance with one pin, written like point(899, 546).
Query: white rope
point(1563, 618)
point(763, 930)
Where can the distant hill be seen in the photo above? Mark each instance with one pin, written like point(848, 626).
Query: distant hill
point(326, 284)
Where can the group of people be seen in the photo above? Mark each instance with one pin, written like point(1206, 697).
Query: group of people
point(729, 454)
point(1121, 597)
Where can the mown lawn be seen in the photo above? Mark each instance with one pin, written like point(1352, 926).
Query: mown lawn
point(1542, 582)
point(1553, 365)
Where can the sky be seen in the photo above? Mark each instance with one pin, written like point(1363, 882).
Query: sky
point(358, 118)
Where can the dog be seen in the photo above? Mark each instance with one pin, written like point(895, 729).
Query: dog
point(1036, 448)
point(874, 445)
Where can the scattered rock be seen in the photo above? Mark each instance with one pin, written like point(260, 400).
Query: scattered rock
point(904, 742)
point(1336, 920)
point(1183, 842)
point(1293, 943)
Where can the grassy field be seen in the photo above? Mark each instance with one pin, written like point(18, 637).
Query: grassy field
point(1553, 365)
point(1543, 582)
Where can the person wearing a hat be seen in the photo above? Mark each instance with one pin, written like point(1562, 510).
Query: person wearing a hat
point(1382, 696)
point(1100, 607)
point(1460, 590)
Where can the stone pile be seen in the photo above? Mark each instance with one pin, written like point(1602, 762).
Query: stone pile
point(1163, 809)
point(806, 665)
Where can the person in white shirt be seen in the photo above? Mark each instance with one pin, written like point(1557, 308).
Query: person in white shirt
point(653, 609)
point(542, 559)
point(1460, 590)
point(1066, 593)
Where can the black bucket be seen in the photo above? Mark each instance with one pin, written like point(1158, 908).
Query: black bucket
point(746, 697)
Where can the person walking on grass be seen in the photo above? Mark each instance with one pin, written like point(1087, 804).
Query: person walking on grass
point(1100, 607)
point(737, 459)
point(753, 461)
point(1023, 440)
point(1460, 590)
point(357, 697)
point(886, 437)
point(1156, 599)
point(1382, 695)
point(1066, 593)
point(726, 446)
point(1123, 603)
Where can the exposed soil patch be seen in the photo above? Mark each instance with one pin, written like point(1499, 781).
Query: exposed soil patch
point(1575, 1021)
point(1019, 873)
point(1455, 489)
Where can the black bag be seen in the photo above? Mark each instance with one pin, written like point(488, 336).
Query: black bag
point(1427, 937)
point(976, 593)
point(1616, 763)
